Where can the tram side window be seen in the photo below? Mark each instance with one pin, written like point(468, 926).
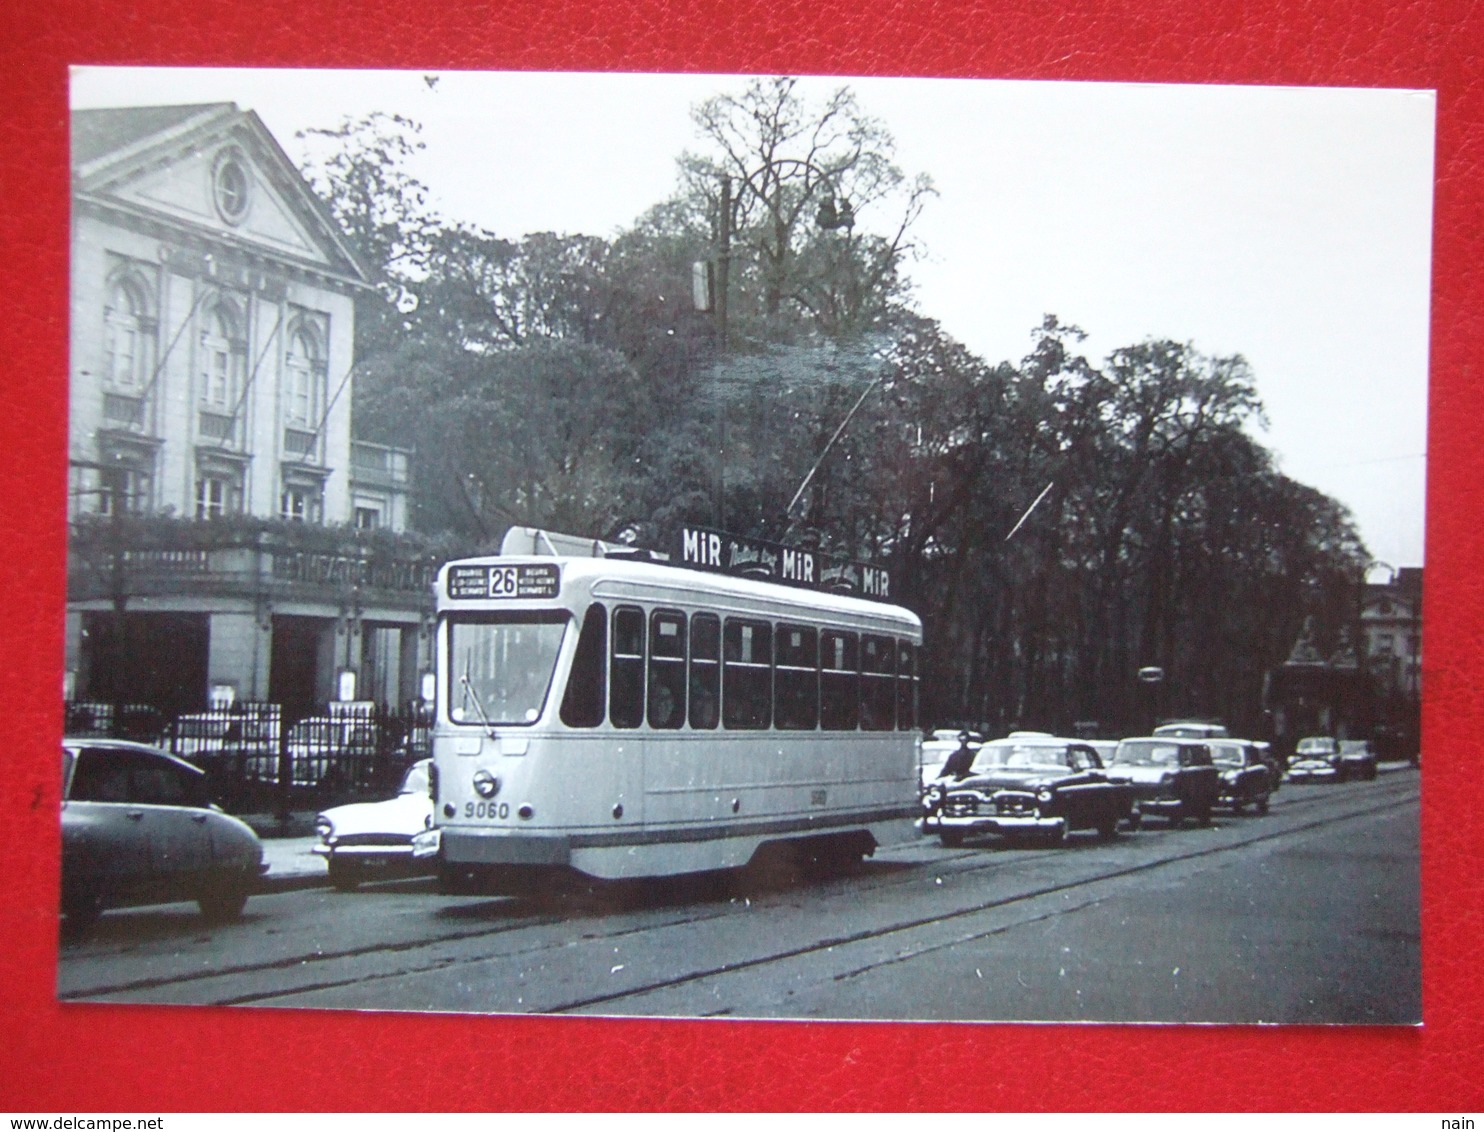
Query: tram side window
point(839, 700)
point(705, 671)
point(626, 671)
point(796, 687)
point(878, 683)
point(666, 669)
point(747, 674)
point(906, 686)
point(582, 706)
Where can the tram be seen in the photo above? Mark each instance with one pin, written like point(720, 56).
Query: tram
point(603, 714)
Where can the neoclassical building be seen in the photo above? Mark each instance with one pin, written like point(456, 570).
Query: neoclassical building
point(229, 536)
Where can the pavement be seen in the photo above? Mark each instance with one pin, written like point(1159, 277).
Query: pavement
point(286, 848)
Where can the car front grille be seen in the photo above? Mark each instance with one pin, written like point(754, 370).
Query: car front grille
point(1016, 805)
point(389, 839)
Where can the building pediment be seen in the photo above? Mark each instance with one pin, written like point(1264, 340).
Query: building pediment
point(215, 173)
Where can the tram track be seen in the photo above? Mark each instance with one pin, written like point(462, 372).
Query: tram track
point(302, 977)
point(1025, 897)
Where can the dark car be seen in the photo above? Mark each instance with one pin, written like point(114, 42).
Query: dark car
point(1246, 778)
point(1357, 760)
point(138, 827)
point(1025, 785)
point(1171, 777)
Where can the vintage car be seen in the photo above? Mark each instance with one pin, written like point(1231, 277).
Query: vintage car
point(138, 828)
point(1172, 777)
point(370, 840)
point(1316, 759)
point(1357, 760)
point(1191, 729)
point(334, 752)
point(1025, 785)
point(1246, 778)
point(937, 748)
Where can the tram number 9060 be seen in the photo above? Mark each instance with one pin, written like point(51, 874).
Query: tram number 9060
point(496, 811)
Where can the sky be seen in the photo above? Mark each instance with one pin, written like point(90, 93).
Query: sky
point(1289, 225)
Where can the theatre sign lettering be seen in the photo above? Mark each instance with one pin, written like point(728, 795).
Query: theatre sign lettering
point(704, 549)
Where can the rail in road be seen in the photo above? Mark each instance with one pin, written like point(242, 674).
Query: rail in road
point(739, 946)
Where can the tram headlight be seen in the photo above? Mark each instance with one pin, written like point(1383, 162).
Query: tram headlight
point(486, 785)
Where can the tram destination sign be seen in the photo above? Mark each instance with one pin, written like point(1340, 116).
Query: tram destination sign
point(701, 548)
point(535, 580)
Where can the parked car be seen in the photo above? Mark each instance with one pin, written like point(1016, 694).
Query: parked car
point(368, 840)
point(1191, 729)
point(1246, 778)
point(937, 749)
point(1315, 759)
point(1171, 777)
point(1357, 760)
point(1026, 785)
point(138, 827)
point(334, 752)
point(243, 746)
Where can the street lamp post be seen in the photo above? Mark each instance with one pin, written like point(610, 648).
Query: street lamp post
point(830, 216)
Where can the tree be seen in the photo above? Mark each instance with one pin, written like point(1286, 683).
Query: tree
point(359, 169)
point(801, 179)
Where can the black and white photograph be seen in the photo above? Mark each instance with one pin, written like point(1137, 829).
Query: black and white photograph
point(745, 546)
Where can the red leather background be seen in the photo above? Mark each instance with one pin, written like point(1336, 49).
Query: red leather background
point(86, 1058)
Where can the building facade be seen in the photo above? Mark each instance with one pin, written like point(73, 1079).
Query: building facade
point(229, 537)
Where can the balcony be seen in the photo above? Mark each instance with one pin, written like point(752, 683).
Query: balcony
point(218, 428)
point(377, 465)
point(239, 556)
point(123, 413)
point(301, 445)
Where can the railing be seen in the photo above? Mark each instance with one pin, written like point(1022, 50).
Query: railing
point(219, 428)
point(258, 762)
point(123, 412)
point(299, 444)
point(378, 464)
point(146, 553)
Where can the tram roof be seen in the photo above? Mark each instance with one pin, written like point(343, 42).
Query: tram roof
point(661, 581)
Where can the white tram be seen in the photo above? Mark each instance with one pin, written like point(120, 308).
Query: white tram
point(624, 718)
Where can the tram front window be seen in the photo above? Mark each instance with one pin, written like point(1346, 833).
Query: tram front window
point(500, 666)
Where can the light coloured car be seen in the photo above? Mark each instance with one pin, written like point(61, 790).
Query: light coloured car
point(935, 751)
point(370, 840)
point(1315, 759)
point(138, 828)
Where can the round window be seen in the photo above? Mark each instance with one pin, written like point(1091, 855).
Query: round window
point(231, 188)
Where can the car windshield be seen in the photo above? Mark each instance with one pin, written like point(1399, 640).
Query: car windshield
point(500, 665)
point(1146, 752)
point(1316, 746)
point(416, 779)
point(1223, 755)
point(1020, 756)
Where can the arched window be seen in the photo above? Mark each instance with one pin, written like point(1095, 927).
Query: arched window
point(128, 336)
point(220, 358)
point(303, 379)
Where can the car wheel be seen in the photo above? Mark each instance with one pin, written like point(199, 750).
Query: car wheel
point(1135, 820)
point(344, 877)
point(1262, 804)
point(1203, 815)
point(1108, 828)
point(951, 838)
point(1057, 835)
point(223, 905)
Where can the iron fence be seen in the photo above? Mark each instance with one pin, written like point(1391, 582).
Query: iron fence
point(260, 761)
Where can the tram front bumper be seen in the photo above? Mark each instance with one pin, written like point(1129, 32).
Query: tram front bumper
point(494, 847)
